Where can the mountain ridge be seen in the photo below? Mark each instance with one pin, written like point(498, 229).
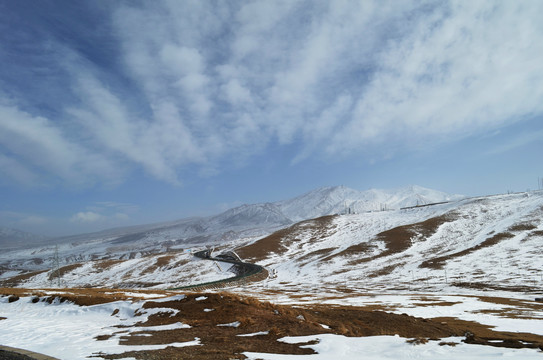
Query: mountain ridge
point(318, 202)
point(242, 222)
point(10, 237)
point(489, 243)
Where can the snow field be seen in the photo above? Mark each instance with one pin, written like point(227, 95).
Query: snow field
point(182, 269)
point(392, 348)
point(513, 261)
point(68, 331)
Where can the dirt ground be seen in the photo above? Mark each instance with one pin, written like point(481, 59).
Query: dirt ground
point(276, 321)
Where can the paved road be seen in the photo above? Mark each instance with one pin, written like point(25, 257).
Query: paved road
point(244, 270)
point(9, 353)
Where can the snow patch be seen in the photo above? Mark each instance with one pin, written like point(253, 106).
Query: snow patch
point(331, 346)
point(234, 324)
point(254, 334)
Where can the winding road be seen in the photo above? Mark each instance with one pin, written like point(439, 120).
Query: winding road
point(246, 272)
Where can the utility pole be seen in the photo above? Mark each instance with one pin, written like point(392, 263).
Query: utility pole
point(56, 265)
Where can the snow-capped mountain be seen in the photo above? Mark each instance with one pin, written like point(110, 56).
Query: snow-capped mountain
point(242, 222)
point(15, 238)
point(255, 215)
point(250, 220)
point(474, 262)
point(489, 243)
point(340, 199)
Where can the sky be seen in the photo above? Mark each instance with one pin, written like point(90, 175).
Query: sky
point(114, 113)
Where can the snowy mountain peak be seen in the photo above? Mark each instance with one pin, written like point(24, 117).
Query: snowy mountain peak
point(255, 214)
point(244, 221)
point(338, 199)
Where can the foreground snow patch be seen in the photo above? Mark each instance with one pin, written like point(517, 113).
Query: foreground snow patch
point(331, 346)
point(68, 331)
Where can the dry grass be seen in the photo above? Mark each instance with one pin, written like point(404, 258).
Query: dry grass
point(490, 286)
point(476, 333)
point(104, 265)
point(180, 263)
point(385, 270)
point(355, 250)
point(417, 341)
point(17, 280)
point(399, 238)
point(260, 249)
point(279, 321)
point(436, 303)
point(84, 296)
point(523, 226)
point(280, 241)
point(439, 262)
point(315, 254)
point(447, 343)
point(63, 271)
point(161, 261)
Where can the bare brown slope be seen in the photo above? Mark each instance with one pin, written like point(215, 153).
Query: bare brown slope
point(399, 238)
point(275, 321)
point(280, 241)
point(396, 240)
point(439, 262)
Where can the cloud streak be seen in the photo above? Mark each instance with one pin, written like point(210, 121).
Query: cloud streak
point(206, 86)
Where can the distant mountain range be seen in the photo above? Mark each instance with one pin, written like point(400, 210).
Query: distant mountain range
point(245, 221)
point(257, 219)
point(340, 199)
point(489, 243)
point(15, 238)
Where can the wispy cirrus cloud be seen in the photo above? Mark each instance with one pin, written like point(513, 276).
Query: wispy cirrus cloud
point(38, 146)
point(193, 84)
point(463, 69)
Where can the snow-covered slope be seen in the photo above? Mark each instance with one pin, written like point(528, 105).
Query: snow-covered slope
point(255, 215)
point(491, 243)
point(341, 199)
point(243, 222)
point(479, 244)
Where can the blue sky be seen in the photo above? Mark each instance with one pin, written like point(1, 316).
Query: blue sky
point(115, 113)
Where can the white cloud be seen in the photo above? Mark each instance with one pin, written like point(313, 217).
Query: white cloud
point(188, 65)
point(235, 93)
point(122, 217)
point(104, 214)
point(210, 85)
point(464, 69)
point(86, 217)
point(41, 145)
point(12, 170)
point(517, 141)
